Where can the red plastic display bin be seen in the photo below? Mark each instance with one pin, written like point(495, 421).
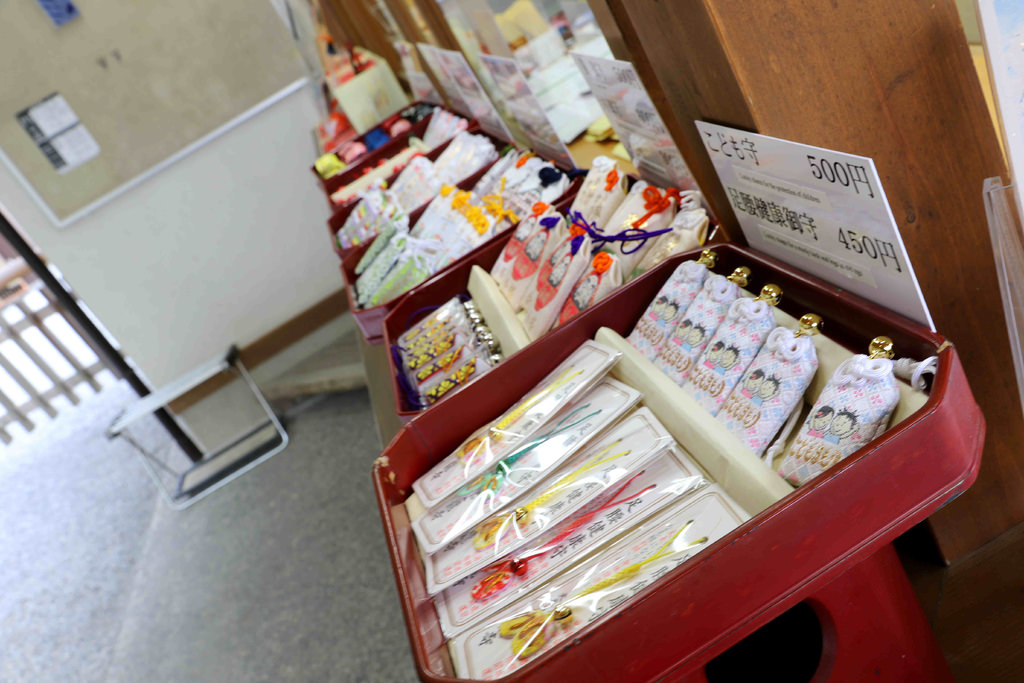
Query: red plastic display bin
point(371, 320)
point(385, 151)
point(825, 545)
point(419, 301)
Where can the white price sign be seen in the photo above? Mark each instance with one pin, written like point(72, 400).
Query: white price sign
point(473, 94)
point(527, 109)
point(447, 83)
point(625, 102)
point(822, 211)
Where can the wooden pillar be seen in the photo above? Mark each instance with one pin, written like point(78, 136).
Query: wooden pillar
point(406, 22)
point(438, 23)
point(891, 81)
point(362, 28)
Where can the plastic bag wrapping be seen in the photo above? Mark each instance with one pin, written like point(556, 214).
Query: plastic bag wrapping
point(511, 477)
point(602, 278)
point(571, 378)
point(555, 278)
point(384, 238)
point(373, 276)
point(648, 487)
point(418, 260)
point(449, 347)
point(688, 230)
point(667, 308)
point(490, 182)
point(443, 126)
point(534, 239)
point(595, 587)
point(377, 174)
point(585, 471)
point(644, 215)
point(417, 184)
point(377, 207)
point(601, 193)
point(463, 157)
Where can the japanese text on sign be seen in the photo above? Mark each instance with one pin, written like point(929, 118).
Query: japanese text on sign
point(822, 211)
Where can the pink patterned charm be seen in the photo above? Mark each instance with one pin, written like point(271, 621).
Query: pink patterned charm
point(674, 297)
point(854, 408)
point(770, 389)
point(730, 351)
point(698, 324)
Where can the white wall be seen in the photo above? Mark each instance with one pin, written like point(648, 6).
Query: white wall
point(219, 248)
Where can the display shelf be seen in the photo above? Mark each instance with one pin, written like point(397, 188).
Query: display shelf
point(372, 158)
point(825, 540)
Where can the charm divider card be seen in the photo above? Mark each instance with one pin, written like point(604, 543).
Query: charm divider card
point(668, 477)
point(573, 376)
point(616, 454)
point(562, 607)
point(515, 474)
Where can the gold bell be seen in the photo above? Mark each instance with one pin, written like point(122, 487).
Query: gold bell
point(810, 323)
point(880, 347)
point(521, 514)
point(562, 612)
point(770, 294)
point(740, 276)
point(708, 258)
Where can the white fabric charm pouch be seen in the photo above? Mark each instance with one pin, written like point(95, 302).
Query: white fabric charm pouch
point(417, 184)
point(854, 408)
point(674, 297)
point(515, 271)
point(601, 193)
point(644, 215)
point(701, 320)
point(490, 183)
point(603, 278)
point(732, 348)
point(555, 278)
point(773, 386)
point(689, 229)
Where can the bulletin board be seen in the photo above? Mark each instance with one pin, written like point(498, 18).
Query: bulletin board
point(93, 105)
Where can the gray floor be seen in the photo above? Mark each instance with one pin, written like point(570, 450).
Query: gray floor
point(280, 576)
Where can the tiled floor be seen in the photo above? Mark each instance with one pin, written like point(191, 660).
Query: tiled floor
point(282, 575)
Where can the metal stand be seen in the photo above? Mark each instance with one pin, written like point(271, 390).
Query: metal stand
point(219, 466)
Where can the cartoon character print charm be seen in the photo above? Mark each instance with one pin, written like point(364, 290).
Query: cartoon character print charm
point(773, 385)
point(603, 277)
point(732, 348)
point(854, 408)
point(699, 324)
point(674, 297)
point(515, 270)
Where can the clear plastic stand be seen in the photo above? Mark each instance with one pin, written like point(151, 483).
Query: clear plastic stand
point(1007, 234)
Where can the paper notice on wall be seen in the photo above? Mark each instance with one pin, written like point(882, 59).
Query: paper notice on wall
point(473, 94)
point(527, 109)
point(637, 123)
point(822, 211)
point(60, 136)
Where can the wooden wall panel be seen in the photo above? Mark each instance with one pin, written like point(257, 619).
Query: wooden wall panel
point(892, 81)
